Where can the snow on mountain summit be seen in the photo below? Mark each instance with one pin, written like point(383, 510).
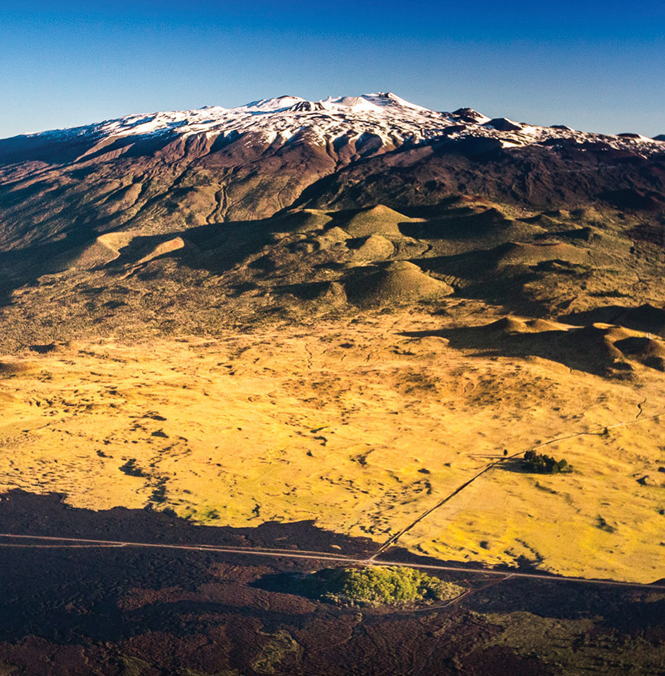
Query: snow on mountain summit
point(272, 105)
point(386, 116)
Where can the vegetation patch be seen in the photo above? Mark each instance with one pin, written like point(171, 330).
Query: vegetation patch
point(597, 650)
point(372, 585)
point(281, 647)
point(130, 468)
point(390, 585)
point(544, 464)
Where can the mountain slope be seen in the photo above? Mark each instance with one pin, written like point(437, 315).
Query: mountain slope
point(256, 201)
point(166, 171)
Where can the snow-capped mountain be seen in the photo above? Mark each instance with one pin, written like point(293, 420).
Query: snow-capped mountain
point(383, 116)
point(168, 172)
point(283, 118)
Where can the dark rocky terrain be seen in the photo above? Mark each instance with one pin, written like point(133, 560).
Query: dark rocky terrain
point(76, 611)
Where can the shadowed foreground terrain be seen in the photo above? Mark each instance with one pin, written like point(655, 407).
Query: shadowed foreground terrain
point(71, 611)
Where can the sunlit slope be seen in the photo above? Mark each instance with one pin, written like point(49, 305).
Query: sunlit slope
point(359, 425)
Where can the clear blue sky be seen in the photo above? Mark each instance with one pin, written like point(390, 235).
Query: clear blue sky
point(594, 65)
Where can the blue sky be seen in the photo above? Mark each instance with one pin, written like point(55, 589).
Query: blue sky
point(592, 65)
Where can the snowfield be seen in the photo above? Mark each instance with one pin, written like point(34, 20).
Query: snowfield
point(385, 116)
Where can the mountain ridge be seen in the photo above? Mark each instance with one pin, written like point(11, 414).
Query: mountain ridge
point(167, 171)
point(393, 119)
point(163, 192)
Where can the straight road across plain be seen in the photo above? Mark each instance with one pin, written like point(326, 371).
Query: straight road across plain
point(44, 541)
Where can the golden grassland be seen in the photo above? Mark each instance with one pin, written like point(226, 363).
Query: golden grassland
point(357, 426)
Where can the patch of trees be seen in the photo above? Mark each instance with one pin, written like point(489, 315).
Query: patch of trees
point(544, 464)
point(368, 586)
point(387, 585)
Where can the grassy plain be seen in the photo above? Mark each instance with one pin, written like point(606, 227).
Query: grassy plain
point(359, 425)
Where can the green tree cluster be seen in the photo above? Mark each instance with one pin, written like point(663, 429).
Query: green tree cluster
point(544, 464)
point(378, 585)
